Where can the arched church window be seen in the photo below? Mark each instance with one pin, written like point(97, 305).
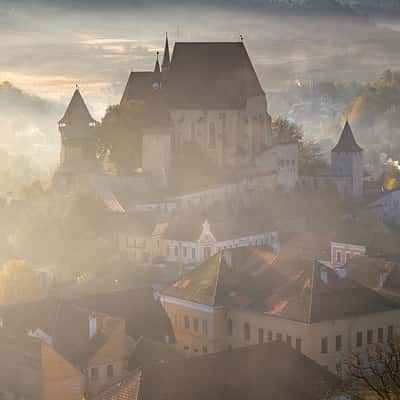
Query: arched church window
point(211, 135)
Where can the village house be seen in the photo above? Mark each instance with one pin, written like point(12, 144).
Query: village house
point(267, 371)
point(32, 369)
point(231, 302)
point(96, 344)
point(350, 240)
point(193, 243)
point(191, 240)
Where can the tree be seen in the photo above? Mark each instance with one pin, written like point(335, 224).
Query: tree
point(374, 373)
point(284, 131)
point(392, 176)
point(120, 136)
point(310, 158)
point(19, 283)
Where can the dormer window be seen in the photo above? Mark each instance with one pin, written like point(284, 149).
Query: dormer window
point(92, 124)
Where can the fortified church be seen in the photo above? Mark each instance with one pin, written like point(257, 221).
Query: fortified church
point(206, 93)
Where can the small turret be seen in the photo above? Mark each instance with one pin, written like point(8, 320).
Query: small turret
point(347, 160)
point(347, 143)
point(77, 113)
point(78, 143)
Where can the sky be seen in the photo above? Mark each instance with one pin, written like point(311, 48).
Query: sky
point(48, 47)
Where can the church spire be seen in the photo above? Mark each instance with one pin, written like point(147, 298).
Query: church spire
point(166, 59)
point(157, 69)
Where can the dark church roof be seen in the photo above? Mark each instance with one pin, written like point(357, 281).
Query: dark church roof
point(77, 111)
point(347, 143)
point(202, 75)
point(139, 86)
point(211, 75)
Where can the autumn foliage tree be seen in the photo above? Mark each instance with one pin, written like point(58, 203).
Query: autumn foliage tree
point(18, 282)
point(392, 176)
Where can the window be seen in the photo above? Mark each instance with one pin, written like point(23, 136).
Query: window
point(158, 244)
point(279, 337)
point(196, 324)
point(338, 342)
point(289, 340)
point(298, 345)
point(176, 251)
point(324, 345)
point(205, 350)
point(94, 374)
point(370, 336)
point(211, 133)
point(338, 257)
point(338, 367)
point(260, 336)
point(390, 333)
point(204, 327)
point(167, 250)
point(270, 336)
point(193, 253)
point(347, 257)
point(207, 252)
point(359, 339)
point(230, 327)
point(184, 251)
point(246, 331)
point(110, 371)
point(187, 322)
point(380, 335)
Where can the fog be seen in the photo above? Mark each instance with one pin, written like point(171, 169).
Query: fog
point(48, 47)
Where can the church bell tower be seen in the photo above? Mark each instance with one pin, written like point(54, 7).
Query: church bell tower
point(78, 142)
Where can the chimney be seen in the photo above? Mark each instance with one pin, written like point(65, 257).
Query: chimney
point(92, 325)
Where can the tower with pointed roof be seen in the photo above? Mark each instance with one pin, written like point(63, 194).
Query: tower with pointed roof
point(347, 160)
point(78, 143)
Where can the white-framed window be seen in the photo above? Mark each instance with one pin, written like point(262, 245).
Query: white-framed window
point(338, 257)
